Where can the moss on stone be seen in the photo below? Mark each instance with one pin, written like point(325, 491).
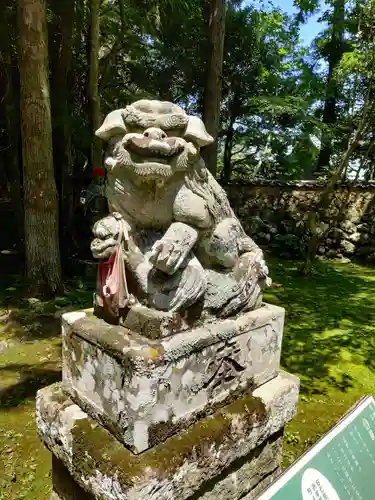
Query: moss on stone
point(57, 394)
point(55, 403)
point(94, 448)
point(117, 341)
point(161, 431)
point(59, 399)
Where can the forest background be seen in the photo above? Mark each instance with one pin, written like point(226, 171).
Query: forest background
point(280, 109)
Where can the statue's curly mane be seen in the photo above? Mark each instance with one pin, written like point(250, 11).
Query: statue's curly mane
point(202, 183)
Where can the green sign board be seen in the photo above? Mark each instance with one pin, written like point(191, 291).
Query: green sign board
point(341, 466)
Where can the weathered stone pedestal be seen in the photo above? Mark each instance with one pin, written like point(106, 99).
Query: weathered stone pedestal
point(191, 413)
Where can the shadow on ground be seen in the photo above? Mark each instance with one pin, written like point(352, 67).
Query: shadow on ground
point(330, 323)
point(31, 379)
point(27, 318)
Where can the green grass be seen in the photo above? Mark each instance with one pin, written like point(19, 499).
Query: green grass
point(30, 352)
point(329, 342)
point(329, 339)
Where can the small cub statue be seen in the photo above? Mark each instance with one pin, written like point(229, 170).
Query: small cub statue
point(170, 223)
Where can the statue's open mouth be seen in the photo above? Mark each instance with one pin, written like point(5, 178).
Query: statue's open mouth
point(150, 148)
point(156, 158)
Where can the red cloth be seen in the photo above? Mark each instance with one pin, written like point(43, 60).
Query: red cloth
point(98, 172)
point(112, 287)
point(104, 272)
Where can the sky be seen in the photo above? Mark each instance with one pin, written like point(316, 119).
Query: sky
point(309, 30)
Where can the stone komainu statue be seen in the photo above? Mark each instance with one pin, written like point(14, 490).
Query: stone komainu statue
point(171, 226)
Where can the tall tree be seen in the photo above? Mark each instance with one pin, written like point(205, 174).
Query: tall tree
point(213, 87)
point(324, 200)
point(62, 40)
point(40, 197)
point(361, 63)
point(93, 83)
point(9, 88)
point(333, 50)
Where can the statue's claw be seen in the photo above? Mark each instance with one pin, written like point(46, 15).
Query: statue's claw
point(248, 297)
point(250, 273)
point(170, 252)
point(192, 286)
point(167, 256)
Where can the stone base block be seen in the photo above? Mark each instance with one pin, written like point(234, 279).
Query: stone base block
point(223, 456)
point(145, 390)
point(249, 476)
point(245, 474)
point(262, 485)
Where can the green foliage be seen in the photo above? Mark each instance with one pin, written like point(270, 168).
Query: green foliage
point(291, 242)
point(274, 89)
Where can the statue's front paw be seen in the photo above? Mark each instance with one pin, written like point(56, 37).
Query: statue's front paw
point(168, 255)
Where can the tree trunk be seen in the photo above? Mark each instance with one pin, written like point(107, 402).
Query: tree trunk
point(62, 148)
point(227, 164)
point(93, 84)
point(40, 197)
point(107, 64)
point(12, 164)
point(335, 53)
point(213, 87)
point(314, 216)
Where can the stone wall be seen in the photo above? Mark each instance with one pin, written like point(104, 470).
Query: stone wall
point(275, 214)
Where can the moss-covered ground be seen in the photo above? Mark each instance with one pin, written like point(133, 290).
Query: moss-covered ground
point(329, 342)
point(30, 358)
